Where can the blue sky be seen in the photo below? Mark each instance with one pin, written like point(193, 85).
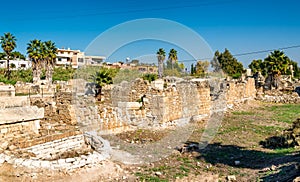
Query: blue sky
point(240, 26)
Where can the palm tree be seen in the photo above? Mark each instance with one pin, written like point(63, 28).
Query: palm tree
point(173, 57)
point(50, 56)
point(103, 77)
point(18, 55)
point(161, 56)
point(35, 53)
point(277, 63)
point(2, 55)
point(8, 44)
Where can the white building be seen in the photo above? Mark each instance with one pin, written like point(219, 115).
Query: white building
point(16, 64)
point(68, 57)
point(64, 57)
point(92, 60)
point(76, 58)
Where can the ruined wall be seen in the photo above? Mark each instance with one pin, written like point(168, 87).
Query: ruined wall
point(138, 103)
point(18, 120)
point(145, 104)
point(237, 91)
point(53, 149)
point(141, 104)
point(7, 90)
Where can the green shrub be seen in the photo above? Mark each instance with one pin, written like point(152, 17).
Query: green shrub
point(127, 75)
point(150, 77)
point(63, 74)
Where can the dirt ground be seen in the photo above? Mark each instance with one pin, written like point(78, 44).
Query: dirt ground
point(233, 154)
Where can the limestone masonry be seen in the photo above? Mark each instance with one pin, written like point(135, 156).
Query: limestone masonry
point(39, 130)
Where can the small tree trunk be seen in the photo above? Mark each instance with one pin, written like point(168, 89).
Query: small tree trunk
point(34, 74)
point(38, 74)
point(172, 65)
point(7, 67)
point(49, 74)
point(160, 69)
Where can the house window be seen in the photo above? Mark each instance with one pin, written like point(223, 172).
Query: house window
point(80, 60)
point(142, 69)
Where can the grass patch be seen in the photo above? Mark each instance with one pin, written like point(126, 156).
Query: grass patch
point(285, 113)
point(266, 130)
point(229, 130)
point(243, 113)
point(284, 151)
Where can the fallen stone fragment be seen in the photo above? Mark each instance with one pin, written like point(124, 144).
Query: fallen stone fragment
point(231, 178)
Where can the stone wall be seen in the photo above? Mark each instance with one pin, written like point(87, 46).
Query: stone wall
point(7, 90)
point(139, 103)
point(145, 104)
point(42, 88)
point(18, 120)
point(9, 102)
point(53, 149)
point(237, 91)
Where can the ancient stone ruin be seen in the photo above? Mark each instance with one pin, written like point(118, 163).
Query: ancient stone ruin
point(279, 89)
point(289, 138)
point(63, 130)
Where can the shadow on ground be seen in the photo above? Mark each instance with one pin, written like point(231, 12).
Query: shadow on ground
point(253, 159)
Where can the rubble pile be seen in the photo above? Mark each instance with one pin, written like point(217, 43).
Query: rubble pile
point(289, 138)
point(277, 96)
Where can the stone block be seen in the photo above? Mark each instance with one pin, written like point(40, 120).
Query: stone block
point(61, 161)
point(4, 144)
point(19, 161)
point(70, 160)
point(158, 84)
point(2, 160)
point(11, 115)
point(45, 164)
point(27, 163)
point(36, 164)
point(8, 102)
point(4, 130)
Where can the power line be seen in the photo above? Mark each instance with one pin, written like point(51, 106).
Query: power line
point(245, 53)
point(263, 51)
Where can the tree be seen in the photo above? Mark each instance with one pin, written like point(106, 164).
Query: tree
point(2, 56)
point(8, 44)
point(18, 55)
point(229, 64)
point(257, 66)
point(193, 69)
point(277, 63)
point(161, 56)
point(103, 77)
point(135, 61)
point(35, 53)
point(201, 68)
point(215, 63)
point(296, 69)
point(50, 56)
point(173, 57)
point(12, 65)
